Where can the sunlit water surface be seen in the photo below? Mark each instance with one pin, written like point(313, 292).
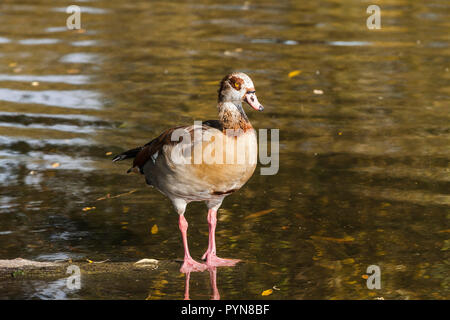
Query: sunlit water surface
point(364, 167)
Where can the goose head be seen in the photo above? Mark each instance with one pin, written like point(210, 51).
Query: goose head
point(237, 87)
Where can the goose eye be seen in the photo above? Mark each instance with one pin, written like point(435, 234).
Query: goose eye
point(237, 85)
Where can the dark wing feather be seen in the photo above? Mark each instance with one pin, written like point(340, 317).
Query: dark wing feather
point(127, 154)
point(213, 124)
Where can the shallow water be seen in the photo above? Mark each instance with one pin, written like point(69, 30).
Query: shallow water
point(364, 167)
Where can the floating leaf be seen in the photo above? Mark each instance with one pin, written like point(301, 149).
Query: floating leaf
point(294, 73)
point(365, 276)
point(89, 261)
point(318, 91)
point(55, 165)
point(88, 208)
point(154, 229)
point(35, 83)
point(108, 153)
point(259, 213)
point(267, 292)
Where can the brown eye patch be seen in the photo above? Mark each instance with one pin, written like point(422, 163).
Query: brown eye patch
point(236, 82)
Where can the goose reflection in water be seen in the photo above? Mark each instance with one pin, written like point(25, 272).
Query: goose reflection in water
point(215, 295)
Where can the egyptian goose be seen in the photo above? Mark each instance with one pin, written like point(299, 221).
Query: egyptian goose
point(203, 162)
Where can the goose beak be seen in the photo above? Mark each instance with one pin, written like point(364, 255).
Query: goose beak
point(252, 100)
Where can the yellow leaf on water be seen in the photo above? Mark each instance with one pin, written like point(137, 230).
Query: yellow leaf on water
point(108, 153)
point(55, 165)
point(267, 292)
point(88, 209)
point(89, 261)
point(259, 213)
point(294, 73)
point(154, 229)
point(365, 276)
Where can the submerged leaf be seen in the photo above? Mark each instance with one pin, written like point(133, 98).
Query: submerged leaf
point(154, 229)
point(109, 196)
point(348, 261)
point(338, 240)
point(211, 83)
point(259, 213)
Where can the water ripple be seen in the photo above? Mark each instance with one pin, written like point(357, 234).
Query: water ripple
point(80, 99)
point(69, 79)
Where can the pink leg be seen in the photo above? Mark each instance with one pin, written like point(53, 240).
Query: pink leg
point(186, 287)
point(210, 254)
point(189, 264)
point(213, 279)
